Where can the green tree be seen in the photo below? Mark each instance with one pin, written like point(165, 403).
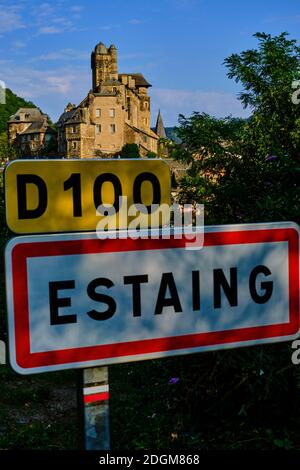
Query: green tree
point(130, 151)
point(7, 151)
point(12, 104)
point(50, 148)
point(248, 170)
point(151, 155)
point(266, 75)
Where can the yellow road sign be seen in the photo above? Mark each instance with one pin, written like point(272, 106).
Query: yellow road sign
point(45, 196)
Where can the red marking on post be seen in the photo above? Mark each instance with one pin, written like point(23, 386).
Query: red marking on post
point(96, 397)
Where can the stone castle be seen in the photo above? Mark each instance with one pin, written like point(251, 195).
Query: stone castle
point(29, 131)
point(116, 111)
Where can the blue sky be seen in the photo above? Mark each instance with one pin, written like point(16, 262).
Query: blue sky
point(179, 45)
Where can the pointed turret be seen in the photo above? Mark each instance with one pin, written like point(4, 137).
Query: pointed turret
point(160, 128)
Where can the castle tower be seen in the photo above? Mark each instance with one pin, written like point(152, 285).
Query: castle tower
point(114, 62)
point(104, 64)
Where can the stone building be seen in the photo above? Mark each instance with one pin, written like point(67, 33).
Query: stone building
point(29, 131)
point(116, 111)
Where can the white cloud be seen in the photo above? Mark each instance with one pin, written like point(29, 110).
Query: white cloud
point(36, 83)
point(62, 21)
point(76, 8)
point(44, 9)
point(19, 44)
point(50, 30)
point(10, 19)
point(64, 26)
point(48, 89)
point(61, 84)
point(45, 18)
point(62, 54)
point(54, 18)
point(108, 27)
point(173, 102)
point(135, 21)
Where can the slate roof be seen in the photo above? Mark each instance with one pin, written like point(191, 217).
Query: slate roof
point(37, 127)
point(66, 116)
point(160, 128)
point(34, 115)
point(139, 78)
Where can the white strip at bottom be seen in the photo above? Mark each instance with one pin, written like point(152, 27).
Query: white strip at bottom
point(97, 389)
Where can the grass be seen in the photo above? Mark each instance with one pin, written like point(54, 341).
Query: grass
point(38, 412)
point(221, 401)
point(238, 399)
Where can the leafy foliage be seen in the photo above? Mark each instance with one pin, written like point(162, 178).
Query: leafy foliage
point(237, 399)
point(7, 151)
point(151, 155)
point(130, 151)
point(248, 170)
point(50, 149)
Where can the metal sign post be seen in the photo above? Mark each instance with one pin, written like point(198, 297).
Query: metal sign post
point(2, 352)
point(96, 408)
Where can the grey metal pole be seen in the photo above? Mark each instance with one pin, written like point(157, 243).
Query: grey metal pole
point(2, 352)
point(96, 408)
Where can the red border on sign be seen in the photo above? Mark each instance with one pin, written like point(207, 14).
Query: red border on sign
point(23, 251)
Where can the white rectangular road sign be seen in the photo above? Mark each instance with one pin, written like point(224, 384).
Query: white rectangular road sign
point(77, 301)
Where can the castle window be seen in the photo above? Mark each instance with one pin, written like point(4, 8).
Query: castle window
point(112, 128)
point(74, 145)
point(74, 129)
point(98, 128)
point(27, 116)
point(98, 112)
point(112, 112)
point(145, 138)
